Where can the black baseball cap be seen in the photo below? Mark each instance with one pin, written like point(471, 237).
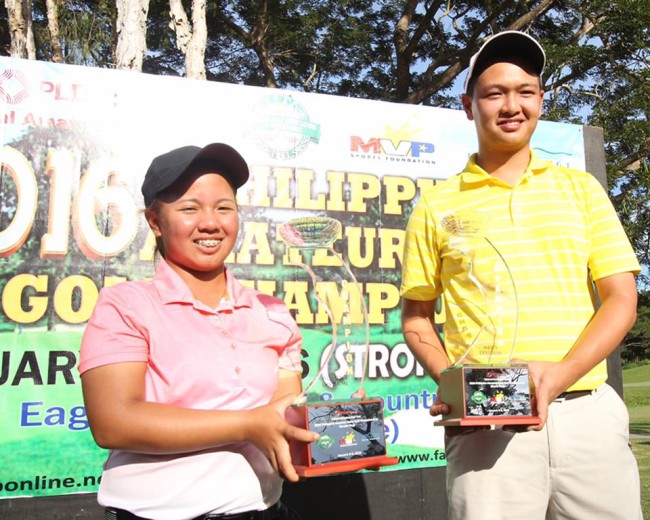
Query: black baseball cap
point(507, 45)
point(169, 167)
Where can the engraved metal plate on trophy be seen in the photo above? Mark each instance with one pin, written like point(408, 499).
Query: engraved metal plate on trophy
point(483, 386)
point(351, 425)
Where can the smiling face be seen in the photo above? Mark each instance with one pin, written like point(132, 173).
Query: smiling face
point(505, 105)
point(197, 223)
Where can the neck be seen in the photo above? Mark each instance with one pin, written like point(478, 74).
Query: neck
point(508, 167)
point(210, 293)
point(207, 287)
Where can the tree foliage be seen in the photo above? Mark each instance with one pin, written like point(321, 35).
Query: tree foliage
point(409, 51)
point(85, 32)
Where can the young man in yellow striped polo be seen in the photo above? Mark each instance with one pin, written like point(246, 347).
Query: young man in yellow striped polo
point(543, 233)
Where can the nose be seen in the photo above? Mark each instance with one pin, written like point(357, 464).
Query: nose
point(209, 221)
point(511, 103)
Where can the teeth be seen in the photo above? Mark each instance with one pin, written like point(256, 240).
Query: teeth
point(208, 243)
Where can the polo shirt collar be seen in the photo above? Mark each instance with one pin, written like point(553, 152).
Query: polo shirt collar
point(173, 289)
point(473, 174)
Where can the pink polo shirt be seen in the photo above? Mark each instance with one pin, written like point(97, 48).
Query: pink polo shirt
point(197, 357)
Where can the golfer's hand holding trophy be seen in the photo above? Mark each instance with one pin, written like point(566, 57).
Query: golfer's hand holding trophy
point(483, 386)
point(350, 425)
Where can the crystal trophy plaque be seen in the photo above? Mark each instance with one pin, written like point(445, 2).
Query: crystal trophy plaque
point(350, 425)
point(482, 387)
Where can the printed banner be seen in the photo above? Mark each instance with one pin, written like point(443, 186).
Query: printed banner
point(76, 143)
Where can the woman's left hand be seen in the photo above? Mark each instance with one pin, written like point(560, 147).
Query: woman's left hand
point(269, 430)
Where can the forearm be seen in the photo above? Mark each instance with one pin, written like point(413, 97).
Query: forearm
point(121, 418)
point(600, 337)
point(612, 321)
point(158, 428)
point(422, 338)
point(427, 349)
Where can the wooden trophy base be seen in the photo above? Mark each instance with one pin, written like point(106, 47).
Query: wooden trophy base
point(349, 466)
point(351, 437)
point(531, 420)
point(483, 395)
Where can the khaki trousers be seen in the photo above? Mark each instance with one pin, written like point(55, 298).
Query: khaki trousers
point(579, 467)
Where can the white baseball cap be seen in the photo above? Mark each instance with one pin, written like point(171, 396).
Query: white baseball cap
point(507, 45)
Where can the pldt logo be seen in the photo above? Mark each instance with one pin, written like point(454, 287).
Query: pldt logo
point(14, 87)
point(383, 146)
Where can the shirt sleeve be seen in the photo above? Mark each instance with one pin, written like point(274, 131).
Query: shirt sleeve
point(611, 252)
point(288, 333)
point(290, 359)
point(113, 334)
point(421, 264)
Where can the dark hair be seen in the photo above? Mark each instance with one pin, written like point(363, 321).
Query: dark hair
point(159, 248)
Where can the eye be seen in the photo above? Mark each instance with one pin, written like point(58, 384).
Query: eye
point(529, 90)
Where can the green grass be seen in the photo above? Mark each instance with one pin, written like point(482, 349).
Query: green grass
point(636, 388)
point(641, 449)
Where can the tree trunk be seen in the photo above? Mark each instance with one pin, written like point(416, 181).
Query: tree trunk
point(131, 29)
point(403, 53)
point(20, 26)
point(52, 7)
point(190, 39)
point(258, 42)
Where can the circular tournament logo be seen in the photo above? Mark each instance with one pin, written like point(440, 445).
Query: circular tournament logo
point(325, 442)
point(478, 397)
point(282, 128)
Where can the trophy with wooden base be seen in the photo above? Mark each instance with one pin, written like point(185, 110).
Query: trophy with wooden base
point(350, 425)
point(483, 387)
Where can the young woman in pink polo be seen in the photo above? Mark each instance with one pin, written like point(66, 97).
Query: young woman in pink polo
point(186, 377)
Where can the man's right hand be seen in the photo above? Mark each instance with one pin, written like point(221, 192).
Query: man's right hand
point(438, 407)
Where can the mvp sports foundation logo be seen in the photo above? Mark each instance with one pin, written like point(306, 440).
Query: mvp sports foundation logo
point(282, 128)
point(392, 148)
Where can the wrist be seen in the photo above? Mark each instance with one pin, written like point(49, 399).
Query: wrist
point(569, 372)
point(246, 428)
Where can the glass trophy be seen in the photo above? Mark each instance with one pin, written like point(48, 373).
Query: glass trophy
point(482, 387)
point(350, 425)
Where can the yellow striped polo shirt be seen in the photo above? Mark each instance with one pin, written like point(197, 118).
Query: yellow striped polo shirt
point(514, 263)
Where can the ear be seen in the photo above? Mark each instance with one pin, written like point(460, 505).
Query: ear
point(541, 102)
point(466, 100)
point(153, 221)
